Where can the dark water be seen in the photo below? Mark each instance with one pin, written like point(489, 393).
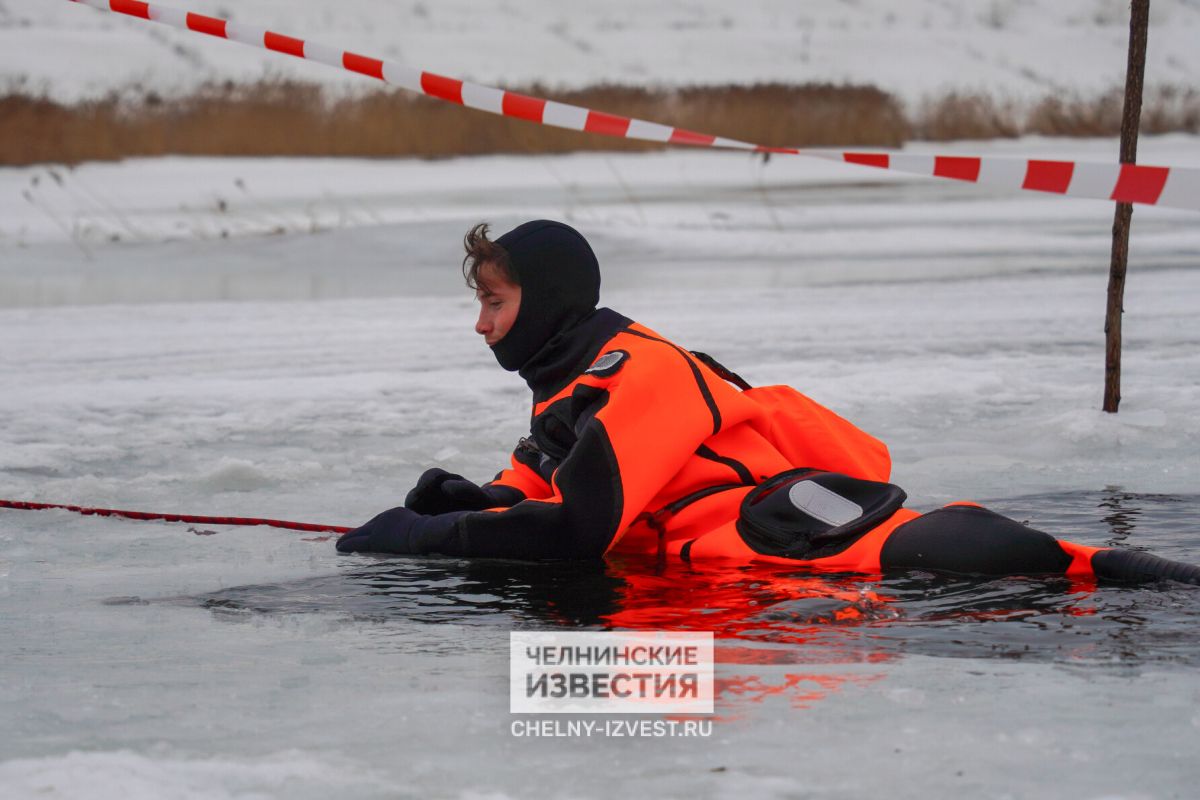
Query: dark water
point(784, 615)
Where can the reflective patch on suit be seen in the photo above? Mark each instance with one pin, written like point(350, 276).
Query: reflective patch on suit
point(820, 503)
point(608, 364)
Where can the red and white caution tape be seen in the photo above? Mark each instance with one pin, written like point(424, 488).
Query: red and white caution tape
point(1177, 187)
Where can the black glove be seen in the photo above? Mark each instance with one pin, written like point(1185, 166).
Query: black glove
point(439, 491)
point(404, 531)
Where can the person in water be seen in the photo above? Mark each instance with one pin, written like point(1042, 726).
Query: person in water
point(640, 446)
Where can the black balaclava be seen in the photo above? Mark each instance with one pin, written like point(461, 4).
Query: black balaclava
point(560, 285)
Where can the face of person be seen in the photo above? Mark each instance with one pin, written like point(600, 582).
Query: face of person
point(499, 302)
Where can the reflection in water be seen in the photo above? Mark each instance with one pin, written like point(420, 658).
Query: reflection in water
point(1122, 514)
point(1124, 511)
point(770, 619)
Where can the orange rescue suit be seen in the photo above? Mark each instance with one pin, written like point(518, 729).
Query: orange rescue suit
point(650, 451)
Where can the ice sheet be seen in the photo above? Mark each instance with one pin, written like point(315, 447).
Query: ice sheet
point(312, 373)
point(961, 325)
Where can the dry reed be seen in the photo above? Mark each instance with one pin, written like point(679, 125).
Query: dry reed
point(282, 118)
point(294, 119)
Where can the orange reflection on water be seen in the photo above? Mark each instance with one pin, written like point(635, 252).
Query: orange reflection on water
point(764, 618)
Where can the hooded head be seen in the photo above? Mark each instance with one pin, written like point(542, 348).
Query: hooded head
point(560, 285)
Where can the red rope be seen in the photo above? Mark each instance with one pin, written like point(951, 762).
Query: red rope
point(112, 512)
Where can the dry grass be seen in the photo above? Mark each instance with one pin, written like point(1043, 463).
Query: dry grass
point(965, 116)
point(955, 116)
point(282, 118)
point(293, 119)
point(1164, 110)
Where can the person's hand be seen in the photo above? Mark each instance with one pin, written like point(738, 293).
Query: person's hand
point(403, 531)
point(438, 491)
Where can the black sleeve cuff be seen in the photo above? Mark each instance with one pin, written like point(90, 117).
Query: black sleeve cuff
point(504, 496)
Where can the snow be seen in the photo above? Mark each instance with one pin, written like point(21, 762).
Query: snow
point(1012, 48)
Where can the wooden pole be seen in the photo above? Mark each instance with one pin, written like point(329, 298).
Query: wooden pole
point(1139, 19)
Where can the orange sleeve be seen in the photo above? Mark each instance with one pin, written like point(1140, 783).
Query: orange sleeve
point(635, 428)
point(522, 477)
point(659, 411)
